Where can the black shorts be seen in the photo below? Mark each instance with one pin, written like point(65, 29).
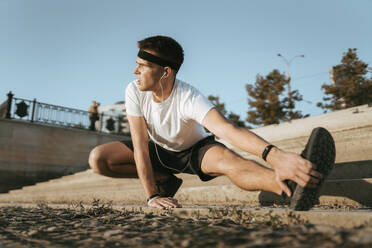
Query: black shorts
point(187, 161)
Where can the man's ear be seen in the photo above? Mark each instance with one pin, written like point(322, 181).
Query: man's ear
point(166, 71)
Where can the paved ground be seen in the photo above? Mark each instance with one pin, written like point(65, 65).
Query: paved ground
point(101, 225)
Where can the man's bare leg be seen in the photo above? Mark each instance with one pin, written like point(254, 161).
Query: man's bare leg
point(114, 159)
point(246, 174)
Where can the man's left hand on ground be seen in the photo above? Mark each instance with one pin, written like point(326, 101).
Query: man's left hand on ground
point(291, 166)
point(164, 203)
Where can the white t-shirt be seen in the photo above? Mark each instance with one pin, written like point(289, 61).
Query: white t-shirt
point(175, 123)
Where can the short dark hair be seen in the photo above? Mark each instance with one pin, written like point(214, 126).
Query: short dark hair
point(166, 48)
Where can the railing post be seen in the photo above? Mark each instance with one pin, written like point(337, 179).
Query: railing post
point(9, 107)
point(33, 110)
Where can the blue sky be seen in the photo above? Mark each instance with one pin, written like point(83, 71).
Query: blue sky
point(69, 52)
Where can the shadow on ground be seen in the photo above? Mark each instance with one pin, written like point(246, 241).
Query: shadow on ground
point(349, 180)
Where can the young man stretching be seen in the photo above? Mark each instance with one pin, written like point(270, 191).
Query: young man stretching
point(167, 118)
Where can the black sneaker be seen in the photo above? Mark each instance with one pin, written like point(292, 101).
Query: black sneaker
point(320, 150)
point(169, 187)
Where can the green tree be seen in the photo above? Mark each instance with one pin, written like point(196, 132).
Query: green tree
point(234, 118)
point(291, 113)
point(266, 101)
point(351, 85)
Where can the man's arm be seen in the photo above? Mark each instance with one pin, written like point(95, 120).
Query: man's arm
point(287, 165)
point(138, 129)
point(141, 154)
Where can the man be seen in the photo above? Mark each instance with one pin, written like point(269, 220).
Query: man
point(93, 115)
point(167, 118)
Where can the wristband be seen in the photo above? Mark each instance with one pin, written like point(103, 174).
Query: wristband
point(266, 151)
point(149, 201)
point(152, 197)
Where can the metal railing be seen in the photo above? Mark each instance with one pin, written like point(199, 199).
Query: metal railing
point(34, 111)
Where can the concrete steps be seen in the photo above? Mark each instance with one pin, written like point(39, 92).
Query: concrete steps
point(88, 181)
point(85, 181)
point(350, 183)
point(338, 193)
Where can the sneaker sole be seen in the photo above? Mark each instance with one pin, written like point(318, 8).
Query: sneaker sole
point(319, 150)
point(171, 192)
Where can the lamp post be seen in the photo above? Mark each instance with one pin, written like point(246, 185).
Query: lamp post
point(287, 75)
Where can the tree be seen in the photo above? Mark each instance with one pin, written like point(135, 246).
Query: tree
point(268, 108)
point(291, 113)
point(234, 118)
point(351, 86)
point(265, 99)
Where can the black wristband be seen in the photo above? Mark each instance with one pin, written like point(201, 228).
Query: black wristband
point(266, 151)
point(153, 196)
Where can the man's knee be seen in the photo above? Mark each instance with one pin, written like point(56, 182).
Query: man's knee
point(96, 160)
point(220, 160)
point(228, 159)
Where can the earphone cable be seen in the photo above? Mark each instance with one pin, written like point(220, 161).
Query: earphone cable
point(152, 134)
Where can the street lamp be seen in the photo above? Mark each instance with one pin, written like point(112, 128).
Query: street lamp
point(287, 75)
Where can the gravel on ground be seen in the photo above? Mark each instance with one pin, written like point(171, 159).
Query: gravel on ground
point(102, 226)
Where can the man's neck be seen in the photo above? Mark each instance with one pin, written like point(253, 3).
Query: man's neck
point(160, 95)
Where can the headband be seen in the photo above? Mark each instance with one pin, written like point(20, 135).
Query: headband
point(157, 60)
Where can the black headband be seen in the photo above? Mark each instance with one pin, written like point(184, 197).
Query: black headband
point(157, 60)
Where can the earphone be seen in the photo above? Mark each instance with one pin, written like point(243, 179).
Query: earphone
point(164, 74)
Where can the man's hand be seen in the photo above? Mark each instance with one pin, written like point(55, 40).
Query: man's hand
point(288, 165)
point(164, 203)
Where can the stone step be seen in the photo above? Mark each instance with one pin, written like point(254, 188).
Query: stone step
point(101, 182)
point(334, 192)
point(338, 192)
point(116, 195)
point(87, 175)
point(76, 178)
point(352, 170)
point(88, 180)
point(72, 182)
point(353, 192)
point(82, 187)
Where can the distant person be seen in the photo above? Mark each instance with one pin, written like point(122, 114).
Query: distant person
point(93, 115)
point(167, 118)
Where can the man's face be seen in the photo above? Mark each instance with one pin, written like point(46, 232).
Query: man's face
point(148, 74)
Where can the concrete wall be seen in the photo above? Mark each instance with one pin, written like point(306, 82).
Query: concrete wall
point(31, 152)
point(337, 121)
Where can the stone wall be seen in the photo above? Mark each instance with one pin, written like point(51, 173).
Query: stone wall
point(31, 152)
